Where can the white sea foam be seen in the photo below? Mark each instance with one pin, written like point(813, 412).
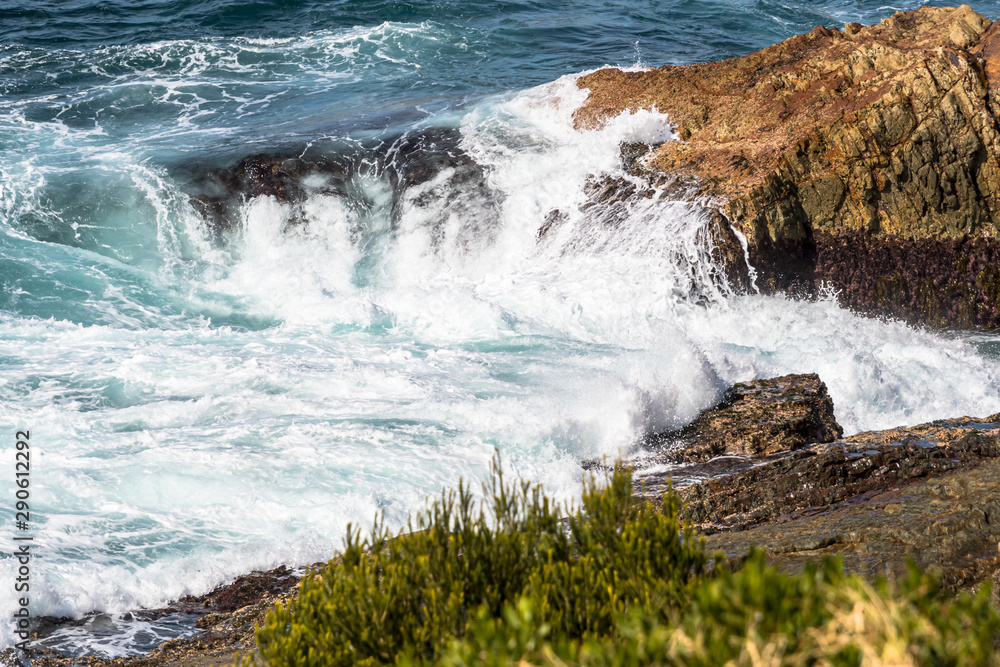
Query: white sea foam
point(174, 452)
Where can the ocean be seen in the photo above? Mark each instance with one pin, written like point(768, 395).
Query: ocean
point(204, 400)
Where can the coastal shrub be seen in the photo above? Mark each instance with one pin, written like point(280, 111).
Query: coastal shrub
point(389, 598)
point(521, 580)
point(758, 616)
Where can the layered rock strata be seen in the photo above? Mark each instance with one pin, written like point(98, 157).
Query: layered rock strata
point(866, 158)
point(929, 492)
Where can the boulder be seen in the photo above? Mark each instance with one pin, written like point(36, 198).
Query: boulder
point(866, 158)
point(759, 418)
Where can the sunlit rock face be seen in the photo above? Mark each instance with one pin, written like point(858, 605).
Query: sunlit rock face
point(866, 158)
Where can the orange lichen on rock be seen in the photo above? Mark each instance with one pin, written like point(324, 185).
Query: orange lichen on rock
point(891, 128)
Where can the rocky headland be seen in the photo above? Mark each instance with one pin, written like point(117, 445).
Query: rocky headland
point(863, 158)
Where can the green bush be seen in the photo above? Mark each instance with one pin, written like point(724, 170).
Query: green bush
point(407, 595)
point(759, 616)
point(615, 581)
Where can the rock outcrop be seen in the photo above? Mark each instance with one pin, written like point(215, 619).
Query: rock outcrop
point(759, 418)
point(928, 492)
point(867, 158)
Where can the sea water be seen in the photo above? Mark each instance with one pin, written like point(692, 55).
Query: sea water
point(204, 403)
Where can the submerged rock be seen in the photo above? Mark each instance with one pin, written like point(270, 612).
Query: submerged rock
point(426, 169)
point(866, 158)
point(759, 417)
point(219, 193)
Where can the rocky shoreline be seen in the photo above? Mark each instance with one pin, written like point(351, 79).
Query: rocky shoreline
point(226, 618)
point(929, 492)
point(865, 159)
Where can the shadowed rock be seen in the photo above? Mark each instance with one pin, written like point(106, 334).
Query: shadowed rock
point(418, 157)
point(219, 193)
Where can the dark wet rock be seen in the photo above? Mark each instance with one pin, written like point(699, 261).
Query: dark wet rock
point(942, 282)
point(268, 175)
point(430, 171)
point(553, 219)
point(424, 169)
point(246, 589)
point(728, 251)
point(226, 616)
point(835, 150)
point(929, 492)
point(614, 200)
point(609, 189)
point(418, 157)
point(219, 193)
point(632, 155)
point(759, 418)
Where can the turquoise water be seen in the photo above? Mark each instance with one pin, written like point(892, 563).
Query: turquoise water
point(205, 403)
